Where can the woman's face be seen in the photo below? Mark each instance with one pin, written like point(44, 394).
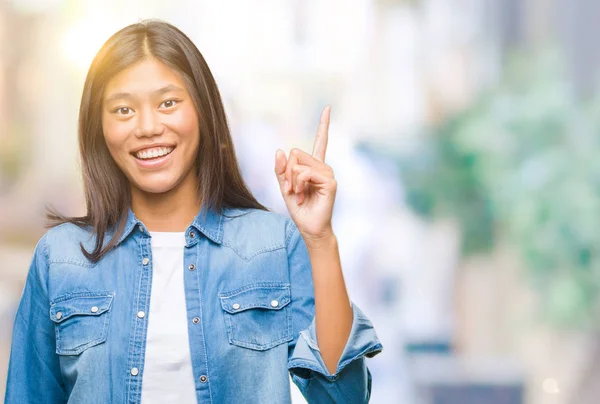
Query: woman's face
point(151, 126)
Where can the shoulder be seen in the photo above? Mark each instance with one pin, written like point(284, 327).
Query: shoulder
point(256, 221)
point(63, 243)
point(255, 229)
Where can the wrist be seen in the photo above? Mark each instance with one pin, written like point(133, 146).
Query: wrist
point(326, 239)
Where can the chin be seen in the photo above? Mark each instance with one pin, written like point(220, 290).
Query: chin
point(156, 187)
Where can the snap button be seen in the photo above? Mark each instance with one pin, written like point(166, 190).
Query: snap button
point(236, 306)
point(196, 320)
point(59, 315)
point(134, 371)
point(203, 378)
point(141, 228)
point(192, 234)
point(141, 314)
point(192, 267)
point(94, 309)
point(274, 303)
point(145, 261)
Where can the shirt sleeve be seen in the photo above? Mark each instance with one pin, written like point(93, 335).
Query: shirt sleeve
point(351, 382)
point(33, 372)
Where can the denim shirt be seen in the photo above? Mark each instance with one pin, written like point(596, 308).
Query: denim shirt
point(80, 330)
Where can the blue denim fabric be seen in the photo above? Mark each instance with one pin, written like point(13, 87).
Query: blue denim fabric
point(78, 337)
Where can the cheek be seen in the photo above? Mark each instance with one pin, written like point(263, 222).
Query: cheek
point(186, 122)
point(186, 125)
point(115, 135)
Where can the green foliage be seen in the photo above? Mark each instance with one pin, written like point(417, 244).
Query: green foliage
point(523, 163)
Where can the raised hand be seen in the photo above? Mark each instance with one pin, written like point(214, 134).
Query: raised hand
point(308, 185)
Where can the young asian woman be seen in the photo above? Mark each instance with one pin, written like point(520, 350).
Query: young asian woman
point(178, 285)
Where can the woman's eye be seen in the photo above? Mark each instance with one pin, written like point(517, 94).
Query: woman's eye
point(123, 111)
point(168, 103)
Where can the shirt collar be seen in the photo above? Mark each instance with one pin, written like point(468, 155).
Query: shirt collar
point(208, 221)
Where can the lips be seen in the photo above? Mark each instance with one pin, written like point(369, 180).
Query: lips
point(153, 152)
point(150, 146)
point(153, 157)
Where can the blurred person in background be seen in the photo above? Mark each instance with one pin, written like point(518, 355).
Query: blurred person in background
point(178, 285)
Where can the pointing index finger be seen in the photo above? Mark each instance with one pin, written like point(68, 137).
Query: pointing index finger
point(320, 146)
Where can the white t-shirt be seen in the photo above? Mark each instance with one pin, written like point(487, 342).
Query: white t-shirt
point(168, 375)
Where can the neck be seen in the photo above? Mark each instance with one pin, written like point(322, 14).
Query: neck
point(171, 211)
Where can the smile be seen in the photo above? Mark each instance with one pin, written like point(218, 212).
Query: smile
point(152, 153)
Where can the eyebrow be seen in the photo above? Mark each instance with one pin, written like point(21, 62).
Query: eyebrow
point(160, 91)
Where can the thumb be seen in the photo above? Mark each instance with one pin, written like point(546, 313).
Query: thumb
point(280, 164)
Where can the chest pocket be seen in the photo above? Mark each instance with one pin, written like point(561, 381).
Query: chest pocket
point(258, 316)
point(81, 321)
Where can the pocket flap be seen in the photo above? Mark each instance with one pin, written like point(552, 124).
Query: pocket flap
point(91, 305)
point(272, 296)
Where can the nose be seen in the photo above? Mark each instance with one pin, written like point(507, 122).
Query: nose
point(149, 123)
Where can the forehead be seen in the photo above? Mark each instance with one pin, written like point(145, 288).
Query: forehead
point(143, 77)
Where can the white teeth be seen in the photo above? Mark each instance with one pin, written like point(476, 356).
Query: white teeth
point(155, 152)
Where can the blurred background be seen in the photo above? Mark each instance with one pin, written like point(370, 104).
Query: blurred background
point(464, 138)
